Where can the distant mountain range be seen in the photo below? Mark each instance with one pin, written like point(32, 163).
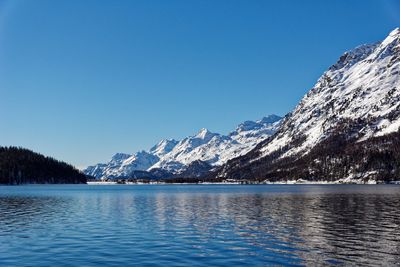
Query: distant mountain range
point(345, 128)
point(194, 155)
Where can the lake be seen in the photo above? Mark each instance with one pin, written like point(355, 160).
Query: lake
point(199, 225)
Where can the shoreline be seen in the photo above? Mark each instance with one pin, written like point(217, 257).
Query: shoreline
point(295, 182)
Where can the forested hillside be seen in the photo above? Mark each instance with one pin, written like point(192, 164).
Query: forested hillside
point(23, 166)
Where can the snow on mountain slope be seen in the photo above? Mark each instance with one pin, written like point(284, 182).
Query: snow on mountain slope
point(163, 147)
point(252, 132)
point(100, 169)
point(359, 96)
point(216, 149)
point(121, 165)
point(96, 171)
point(363, 84)
point(173, 156)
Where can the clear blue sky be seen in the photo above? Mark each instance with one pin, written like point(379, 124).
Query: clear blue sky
point(81, 80)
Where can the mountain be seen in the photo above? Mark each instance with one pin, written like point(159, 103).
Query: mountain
point(122, 165)
point(345, 127)
point(216, 149)
point(163, 147)
point(193, 155)
point(22, 166)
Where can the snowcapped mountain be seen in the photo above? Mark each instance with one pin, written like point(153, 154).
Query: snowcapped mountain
point(356, 101)
point(190, 154)
point(121, 165)
point(163, 147)
point(216, 149)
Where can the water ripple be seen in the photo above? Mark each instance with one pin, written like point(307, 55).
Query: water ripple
point(199, 225)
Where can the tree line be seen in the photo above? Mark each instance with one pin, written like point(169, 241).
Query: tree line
point(23, 166)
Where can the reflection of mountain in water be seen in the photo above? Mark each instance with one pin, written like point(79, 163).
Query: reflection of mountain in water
point(319, 229)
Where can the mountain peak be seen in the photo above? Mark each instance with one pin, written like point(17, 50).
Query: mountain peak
point(163, 147)
point(164, 143)
point(395, 32)
point(392, 38)
point(256, 125)
point(270, 119)
point(120, 156)
point(204, 133)
point(247, 126)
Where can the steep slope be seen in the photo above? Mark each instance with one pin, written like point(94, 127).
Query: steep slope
point(356, 101)
point(22, 166)
point(193, 155)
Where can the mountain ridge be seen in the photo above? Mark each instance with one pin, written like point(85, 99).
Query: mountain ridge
point(354, 106)
point(176, 157)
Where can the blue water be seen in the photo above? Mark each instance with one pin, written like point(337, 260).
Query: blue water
point(199, 225)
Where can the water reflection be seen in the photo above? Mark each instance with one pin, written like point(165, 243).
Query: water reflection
point(178, 225)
